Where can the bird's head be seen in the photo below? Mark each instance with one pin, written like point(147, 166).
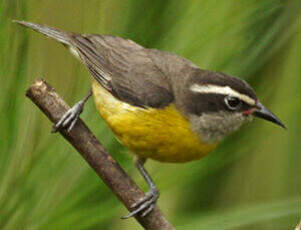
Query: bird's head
point(218, 104)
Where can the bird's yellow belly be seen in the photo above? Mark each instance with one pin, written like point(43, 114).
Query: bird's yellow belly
point(160, 134)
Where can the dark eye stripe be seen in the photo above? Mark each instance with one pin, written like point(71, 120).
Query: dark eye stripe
point(199, 103)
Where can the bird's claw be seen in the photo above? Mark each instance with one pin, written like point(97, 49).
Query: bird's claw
point(145, 205)
point(69, 119)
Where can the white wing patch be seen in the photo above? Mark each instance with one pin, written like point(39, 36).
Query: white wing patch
point(222, 90)
point(74, 52)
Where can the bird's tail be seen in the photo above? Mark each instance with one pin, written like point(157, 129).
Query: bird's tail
point(61, 36)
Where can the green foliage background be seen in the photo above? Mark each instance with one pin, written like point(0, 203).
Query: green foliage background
point(252, 181)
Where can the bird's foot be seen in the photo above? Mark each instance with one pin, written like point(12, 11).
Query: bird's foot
point(69, 119)
point(145, 205)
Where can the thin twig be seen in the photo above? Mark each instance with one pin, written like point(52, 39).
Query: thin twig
point(82, 139)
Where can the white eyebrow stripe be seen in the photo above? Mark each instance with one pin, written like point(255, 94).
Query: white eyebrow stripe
point(222, 90)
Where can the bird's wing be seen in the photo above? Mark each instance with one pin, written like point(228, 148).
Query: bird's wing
point(125, 69)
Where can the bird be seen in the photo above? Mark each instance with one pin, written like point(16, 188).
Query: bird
point(159, 105)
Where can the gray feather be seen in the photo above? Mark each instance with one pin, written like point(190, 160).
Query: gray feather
point(56, 34)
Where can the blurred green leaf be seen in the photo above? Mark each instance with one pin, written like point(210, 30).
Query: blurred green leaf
point(252, 175)
point(243, 217)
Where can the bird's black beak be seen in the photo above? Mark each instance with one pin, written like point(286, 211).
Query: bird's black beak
point(263, 112)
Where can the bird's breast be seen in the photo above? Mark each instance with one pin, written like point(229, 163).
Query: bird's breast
point(161, 134)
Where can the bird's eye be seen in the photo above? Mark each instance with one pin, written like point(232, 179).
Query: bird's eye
point(232, 103)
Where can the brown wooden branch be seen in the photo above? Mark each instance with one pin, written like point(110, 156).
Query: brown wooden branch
point(82, 139)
